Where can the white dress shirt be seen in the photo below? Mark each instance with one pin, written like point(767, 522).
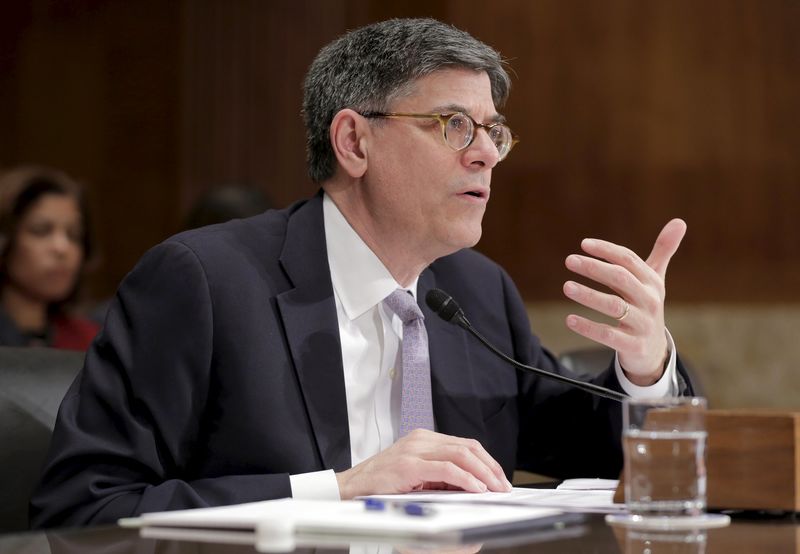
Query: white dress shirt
point(370, 336)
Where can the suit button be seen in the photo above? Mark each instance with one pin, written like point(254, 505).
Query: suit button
point(392, 373)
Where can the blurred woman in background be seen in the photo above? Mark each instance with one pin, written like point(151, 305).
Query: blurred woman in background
point(44, 242)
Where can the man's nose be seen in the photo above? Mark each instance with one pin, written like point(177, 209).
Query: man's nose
point(482, 151)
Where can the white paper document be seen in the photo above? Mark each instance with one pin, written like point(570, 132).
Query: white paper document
point(290, 517)
point(589, 485)
point(572, 500)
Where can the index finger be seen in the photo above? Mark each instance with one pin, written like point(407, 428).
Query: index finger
point(667, 243)
point(477, 450)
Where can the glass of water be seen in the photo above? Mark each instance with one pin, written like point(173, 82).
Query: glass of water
point(664, 447)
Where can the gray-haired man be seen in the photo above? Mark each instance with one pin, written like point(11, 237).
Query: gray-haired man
point(262, 358)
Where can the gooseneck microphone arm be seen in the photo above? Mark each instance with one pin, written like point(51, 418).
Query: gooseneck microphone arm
point(445, 307)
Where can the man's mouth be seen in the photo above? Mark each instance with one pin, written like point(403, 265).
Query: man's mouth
point(477, 193)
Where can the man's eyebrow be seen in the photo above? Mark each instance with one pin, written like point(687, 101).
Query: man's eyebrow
point(450, 108)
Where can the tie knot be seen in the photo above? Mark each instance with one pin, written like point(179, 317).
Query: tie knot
point(403, 305)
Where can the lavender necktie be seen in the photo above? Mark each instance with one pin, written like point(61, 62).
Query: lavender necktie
point(416, 408)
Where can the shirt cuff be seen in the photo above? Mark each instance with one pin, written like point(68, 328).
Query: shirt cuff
point(317, 485)
point(666, 386)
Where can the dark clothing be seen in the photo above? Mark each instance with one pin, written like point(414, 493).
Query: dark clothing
point(219, 373)
point(63, 331)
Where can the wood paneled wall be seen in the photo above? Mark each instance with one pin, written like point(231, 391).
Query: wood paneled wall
point(633, 112)
point(93, 87)
point(630, 112)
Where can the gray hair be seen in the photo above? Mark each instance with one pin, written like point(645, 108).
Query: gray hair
point(367, 68)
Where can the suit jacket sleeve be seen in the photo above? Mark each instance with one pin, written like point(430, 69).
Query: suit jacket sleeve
point(129, 425)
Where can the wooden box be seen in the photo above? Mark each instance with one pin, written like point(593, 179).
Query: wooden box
point(753, 460)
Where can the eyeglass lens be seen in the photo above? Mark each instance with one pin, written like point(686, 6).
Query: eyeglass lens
point(460, 130)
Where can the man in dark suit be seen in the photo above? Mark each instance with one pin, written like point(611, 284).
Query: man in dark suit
point(257, 359)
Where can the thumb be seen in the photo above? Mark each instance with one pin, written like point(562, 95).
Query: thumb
point(667, 243)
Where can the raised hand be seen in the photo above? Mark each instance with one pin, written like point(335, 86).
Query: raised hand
point(639, 337)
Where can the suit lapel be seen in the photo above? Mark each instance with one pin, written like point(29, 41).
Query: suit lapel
point(455, 401)
point(312, 332)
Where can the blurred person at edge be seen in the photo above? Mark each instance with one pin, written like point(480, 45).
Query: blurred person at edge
point(44, 244)
point(224, 203)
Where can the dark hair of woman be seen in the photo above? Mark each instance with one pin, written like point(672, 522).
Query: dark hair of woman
point(44, 245)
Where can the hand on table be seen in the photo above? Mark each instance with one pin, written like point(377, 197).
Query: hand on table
point(425, 460)
point(638, 305)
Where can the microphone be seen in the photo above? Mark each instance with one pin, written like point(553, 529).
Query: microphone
point(443, 304)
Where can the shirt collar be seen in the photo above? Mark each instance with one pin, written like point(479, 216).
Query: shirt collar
point(359, 278)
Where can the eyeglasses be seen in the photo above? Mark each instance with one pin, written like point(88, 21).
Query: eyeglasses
point(458, 130)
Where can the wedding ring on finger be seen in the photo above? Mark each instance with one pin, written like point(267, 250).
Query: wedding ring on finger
point(625, 311)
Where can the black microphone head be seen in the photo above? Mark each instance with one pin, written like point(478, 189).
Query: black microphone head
point(443, 304)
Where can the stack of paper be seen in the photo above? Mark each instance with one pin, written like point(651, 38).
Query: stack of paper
point(579, 495)
point(278, 520)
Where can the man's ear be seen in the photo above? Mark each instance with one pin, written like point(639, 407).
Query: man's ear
point(348, 133)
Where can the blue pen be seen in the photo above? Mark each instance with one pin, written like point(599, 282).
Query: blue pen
point(416, 509)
